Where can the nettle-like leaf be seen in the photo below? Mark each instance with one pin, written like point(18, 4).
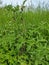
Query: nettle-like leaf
point(47, 57)
point(30, 43)
point(23, 63)
point(21, 41)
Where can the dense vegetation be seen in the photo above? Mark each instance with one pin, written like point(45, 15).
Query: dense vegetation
point(24, 37)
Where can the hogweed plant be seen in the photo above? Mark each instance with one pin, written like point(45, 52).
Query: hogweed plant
point(22, 16)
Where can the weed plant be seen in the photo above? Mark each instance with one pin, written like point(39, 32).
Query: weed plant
point(24, 37)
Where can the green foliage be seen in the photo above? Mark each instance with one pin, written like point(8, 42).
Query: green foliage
point(24, 37)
